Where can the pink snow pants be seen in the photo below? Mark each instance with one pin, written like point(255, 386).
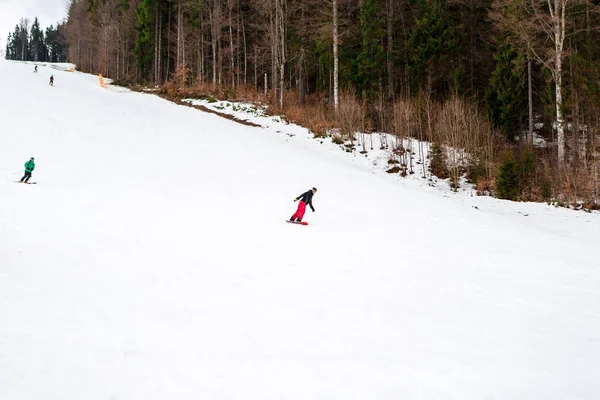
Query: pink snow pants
point(300, 211)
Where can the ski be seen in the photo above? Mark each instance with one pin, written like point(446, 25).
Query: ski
point(27, 183)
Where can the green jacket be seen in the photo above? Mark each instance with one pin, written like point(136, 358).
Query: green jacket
point(29, 166)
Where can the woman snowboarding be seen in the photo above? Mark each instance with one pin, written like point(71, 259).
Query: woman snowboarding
point(29, 167)
point(305, 198)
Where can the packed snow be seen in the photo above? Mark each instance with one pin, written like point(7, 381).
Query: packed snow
point(152, 261)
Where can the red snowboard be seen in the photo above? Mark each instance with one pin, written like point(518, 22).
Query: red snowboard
point(296, 222)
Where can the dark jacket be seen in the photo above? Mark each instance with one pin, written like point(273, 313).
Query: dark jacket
point(307, 198)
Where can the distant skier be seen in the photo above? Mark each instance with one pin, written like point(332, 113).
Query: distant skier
point(29, 167)
point(305, 198)
point(51, 80)
point(35, 69)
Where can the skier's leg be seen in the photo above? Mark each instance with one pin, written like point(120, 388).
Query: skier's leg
point(301, 211)
point(24, 176)
point(297, 213)
point(27, 176)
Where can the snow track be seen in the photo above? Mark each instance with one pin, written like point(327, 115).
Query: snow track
point(152, 261)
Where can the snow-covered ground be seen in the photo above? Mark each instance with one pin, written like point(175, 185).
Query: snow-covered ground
point(152, 261)
point(372, 151)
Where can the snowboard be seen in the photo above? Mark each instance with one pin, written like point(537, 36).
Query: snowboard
point(27, 183)
point(296, 222)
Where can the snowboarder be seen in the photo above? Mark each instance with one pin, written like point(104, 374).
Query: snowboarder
point(29, 167)
point(305, 198)
point(51, 80)
point(35, 69)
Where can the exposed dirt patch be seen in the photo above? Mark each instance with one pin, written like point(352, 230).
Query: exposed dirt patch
point(220, 114)
point(177, 99)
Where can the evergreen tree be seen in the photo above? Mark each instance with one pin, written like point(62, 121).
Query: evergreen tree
point(144, 44)
point(9, 47)
point(51, 44)
point(55, 44)
point(507, 181)
point(371, 59)
point(506, 96)
point(15, 44)
point(433, 40)
point(37, 45)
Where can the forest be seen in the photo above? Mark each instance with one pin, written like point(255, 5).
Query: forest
point(29, 42)
point(507, 91)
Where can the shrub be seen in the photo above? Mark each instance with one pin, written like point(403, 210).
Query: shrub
point(438, 161)
point(507, 182)
point(337, 139)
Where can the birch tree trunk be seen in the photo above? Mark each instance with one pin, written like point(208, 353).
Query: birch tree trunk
point(215, 30)
point(558, 15)
point(281, 13)
point(336, 100)
point(274, 23)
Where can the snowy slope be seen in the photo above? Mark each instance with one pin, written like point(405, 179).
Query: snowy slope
point(152, 261)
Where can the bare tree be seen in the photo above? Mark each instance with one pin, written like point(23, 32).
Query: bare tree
point(24, 28)
point(280, 12)
point(403, 122)
point(231, 47)
point(215, 19)
point(351, 115)
point(534, 25)
point(335, 58)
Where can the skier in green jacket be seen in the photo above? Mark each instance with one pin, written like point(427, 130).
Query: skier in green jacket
point(29, 167)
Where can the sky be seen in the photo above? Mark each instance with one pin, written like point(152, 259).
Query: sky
point(49, 12)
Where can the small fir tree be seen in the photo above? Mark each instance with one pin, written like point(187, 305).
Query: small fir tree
point(507, 181)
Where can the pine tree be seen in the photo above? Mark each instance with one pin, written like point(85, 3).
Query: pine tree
point(144, 45)
point(507, 181)
point(15, 44)
point(37, 45)
point(433, 40)
point(506, 96)
point(371, 59)
point(56, 43)
point(9, 47)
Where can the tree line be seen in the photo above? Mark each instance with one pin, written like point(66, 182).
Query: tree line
point(32, 43)
point(525, 70)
